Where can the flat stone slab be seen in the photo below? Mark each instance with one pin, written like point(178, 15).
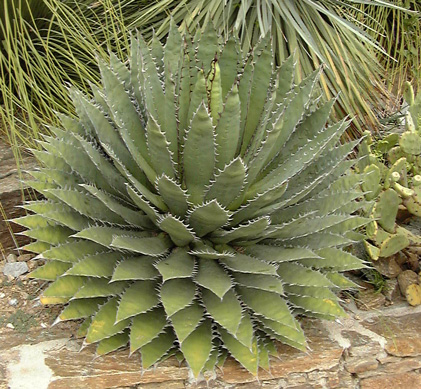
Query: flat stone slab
point(358, 353)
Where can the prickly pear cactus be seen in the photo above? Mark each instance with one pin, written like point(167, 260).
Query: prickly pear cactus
point(389, 183)
point(196, 206)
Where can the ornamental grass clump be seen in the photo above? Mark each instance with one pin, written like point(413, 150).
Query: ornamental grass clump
point(197, 205)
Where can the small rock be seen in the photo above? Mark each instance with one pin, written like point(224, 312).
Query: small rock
point(32, 264)
point(387, 267)
point(37, 303)
point(13, 302)
point(43, 325)
point(2, 295)
point(25, 257)
point(11, 258)
point(370, 299)
point(391, 289)
point(15, 269)
point(10, 325)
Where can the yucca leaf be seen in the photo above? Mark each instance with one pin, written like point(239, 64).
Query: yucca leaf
point(213, 277)
point(176, 294)
point(146, 327)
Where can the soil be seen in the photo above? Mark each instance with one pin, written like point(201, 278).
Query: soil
point(20, 307)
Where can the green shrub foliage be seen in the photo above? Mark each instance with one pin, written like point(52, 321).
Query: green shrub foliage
point(196, 206)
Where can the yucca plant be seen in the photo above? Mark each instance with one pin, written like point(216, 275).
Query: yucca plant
point(197, 206)
point(398, 31)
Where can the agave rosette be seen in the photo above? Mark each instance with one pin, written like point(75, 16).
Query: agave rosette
point(197, 205)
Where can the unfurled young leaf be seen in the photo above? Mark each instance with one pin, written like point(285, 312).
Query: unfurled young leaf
point(218, 212)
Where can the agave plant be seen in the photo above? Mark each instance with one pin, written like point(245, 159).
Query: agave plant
point(318, 31)
point(197, 205)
